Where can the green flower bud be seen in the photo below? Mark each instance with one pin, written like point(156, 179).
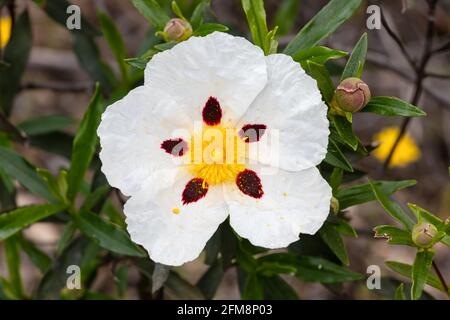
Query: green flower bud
point(177, 30)
point(352, 94)
point(423, 234)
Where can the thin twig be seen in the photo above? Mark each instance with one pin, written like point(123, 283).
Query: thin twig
point(420, 76)
point(8, 127)
point(437, 75)
point(441, 278)
point(442, 48)
point(397, 40)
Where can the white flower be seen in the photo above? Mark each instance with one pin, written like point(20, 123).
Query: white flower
point(227, 84)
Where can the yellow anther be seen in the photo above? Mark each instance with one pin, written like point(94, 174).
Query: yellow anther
point(176, 210)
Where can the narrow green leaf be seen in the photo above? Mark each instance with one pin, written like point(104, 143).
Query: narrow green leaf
point(391, 106)
point(208, 28)
point(406, 271)
point(323, 78)
point(253, 288)
point(355, 64)
point(84, 145)
point(12, 256)
point(39, 258)
point(345, 131)
point(256, 18)
point(211, 279)
point(336, 158)
point(178, 288)
point(394, 235)
point(423, 214)
point(400, 293)
point(333, 239)
point(151, 10)
point(327, 20)
point(14, 221)
point(107, 235)
point(115, 42)
point(420, 271)
point(43, 125)
point(199, 12)
point(276, 288)
point(66, 236)
point(391, 207)
point(363, 193)
point(286, 15)
point(18, 168)
point(318, 54)
point(122, 280)
point(176, 9)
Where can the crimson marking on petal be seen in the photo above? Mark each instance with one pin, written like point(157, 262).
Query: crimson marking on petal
point(249, 183)
point(252, 132)
point(195, 190)
point(212, 113)
point(176, 147)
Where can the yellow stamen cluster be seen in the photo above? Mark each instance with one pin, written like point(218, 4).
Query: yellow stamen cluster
point(217, 155)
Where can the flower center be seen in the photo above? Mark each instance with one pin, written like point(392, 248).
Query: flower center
point(217, 155)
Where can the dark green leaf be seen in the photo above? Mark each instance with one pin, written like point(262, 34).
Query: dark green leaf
point(88, 55)
point(321, 75)
point(345, 131)
point(420, 271)
point(312, 269)
point(363, 193)
point(115, 42)
point(327, 20)
point(208, 28)
point(84, 145)
point(17, 168)
point(14, 221)
point(355, 64)
point(256, 18)
point(275, 288)
point(178, 288)
point(318, 54)
point(43, 125)
point(80, 252)
point(66, 236)
point(406, 271)
point(211, 279)
point(391, 207)
point(12, 257)
point(57, 10)
point(394, 235)
point(333, 239)
point(253, 288)
point(39, 258)
point(122, 280)
point(286, 15)
point(336, 158)
point(107, 235)
point(151, 10)
point(391, 106)
point(199, 12)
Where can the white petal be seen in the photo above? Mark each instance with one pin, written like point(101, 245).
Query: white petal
point(220, 65)
point(169, 238)
point(292, 105)
point(131, 132)
point(292, 203)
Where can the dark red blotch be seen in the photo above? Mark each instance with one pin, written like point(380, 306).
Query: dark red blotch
point(249, 183)
point(195, 190)
point(212, 113)
point(176, 147)
point(252, 132)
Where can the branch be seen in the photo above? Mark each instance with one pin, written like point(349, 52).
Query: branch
point(420, 76)
point(397, 40)
point(441, 278)
point(437, 75)
point(70, 87)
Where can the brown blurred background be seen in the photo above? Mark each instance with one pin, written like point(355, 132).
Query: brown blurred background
point(387, 73)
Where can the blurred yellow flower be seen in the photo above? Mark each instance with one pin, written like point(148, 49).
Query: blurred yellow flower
point(5, 30)
point(406, 152)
